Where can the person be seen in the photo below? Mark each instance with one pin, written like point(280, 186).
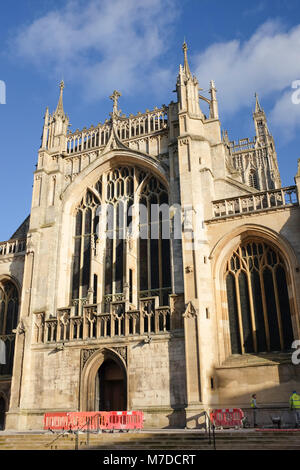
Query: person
point(254, 407)
point(295, 405)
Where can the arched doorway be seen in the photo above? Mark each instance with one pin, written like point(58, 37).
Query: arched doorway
point(2, 413)
point(110, 387)
point(103, 379)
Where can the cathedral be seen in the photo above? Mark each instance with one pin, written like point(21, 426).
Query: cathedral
point(158, 270)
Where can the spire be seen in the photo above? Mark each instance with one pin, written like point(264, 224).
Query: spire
point(58, 124)
point(186, 67)
point(258, 108)
point(46, 117)
point(60, 108)
point(213, 108)
point(45, 129)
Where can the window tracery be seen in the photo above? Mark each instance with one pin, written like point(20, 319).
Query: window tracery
point(116, 190)
point(258, 301)
point(9, 307)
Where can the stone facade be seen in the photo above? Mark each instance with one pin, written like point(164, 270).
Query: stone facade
point(159, 312)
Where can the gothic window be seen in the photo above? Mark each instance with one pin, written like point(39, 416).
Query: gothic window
point(253, 179)
point(261, 131)
point(119, 197)
point(9, 307)
point(258, 301)
point(117, 189)
point(155, 275)
point(85, 235)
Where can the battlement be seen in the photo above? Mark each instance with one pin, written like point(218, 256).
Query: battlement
point(242, 144)
point(127, 128)
point(261, 201)
point(12, 247)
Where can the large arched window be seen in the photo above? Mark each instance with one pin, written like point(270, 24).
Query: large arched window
point(9, 306)
point(258, 300)
point(110, 269)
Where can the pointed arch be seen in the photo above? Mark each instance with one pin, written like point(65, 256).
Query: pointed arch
point(273, 312)
point(88, 376)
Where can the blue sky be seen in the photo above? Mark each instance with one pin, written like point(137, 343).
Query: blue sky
point(134, 46)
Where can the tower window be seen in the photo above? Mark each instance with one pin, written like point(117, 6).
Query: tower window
point(253, 180)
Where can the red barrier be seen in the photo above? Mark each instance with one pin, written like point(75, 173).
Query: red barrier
point(94, 421)
point(56, 421)
point(86, 420)
point(227, 418)
point(125, 420)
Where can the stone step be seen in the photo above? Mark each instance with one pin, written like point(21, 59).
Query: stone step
point(156, 441)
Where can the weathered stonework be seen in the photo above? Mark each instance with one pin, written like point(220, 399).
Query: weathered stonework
point(166, 348)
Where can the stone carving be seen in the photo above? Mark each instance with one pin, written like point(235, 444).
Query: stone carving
point(86, 354)
point(122, 351)
point(190, 311)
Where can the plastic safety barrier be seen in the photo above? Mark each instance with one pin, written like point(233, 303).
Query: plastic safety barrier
point(125, 420)
point(56, 421)
point(94, 421)
point(227, 418)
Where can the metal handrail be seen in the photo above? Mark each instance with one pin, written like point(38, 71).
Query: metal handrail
point(87, 423)
point(56, 438)
point(211, 430)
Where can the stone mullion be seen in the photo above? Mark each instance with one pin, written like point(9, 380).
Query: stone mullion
point(160, 261)
point(5, 314)
point(98, 327)
point(81, 260)
point(156, 321)
point(254, 333)
point(238, 299)
point(113, 290)
point(58, 329)
point(85, 325)
point(46, 329)
point(136, 226)
point(92, 244)
point(149, 234)
point(142, 329)
point(112, 325)
point(264, 302)
point(278, 310)
point(65, 330)
point(71, 329)
point(126, 324)
point(102, 243)
point(124, 238)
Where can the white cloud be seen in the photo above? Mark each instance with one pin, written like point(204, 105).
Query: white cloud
point(267, 63)
point(102, 44)
point(286, 115)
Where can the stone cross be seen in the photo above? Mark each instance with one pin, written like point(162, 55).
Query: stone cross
point(115, 96)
